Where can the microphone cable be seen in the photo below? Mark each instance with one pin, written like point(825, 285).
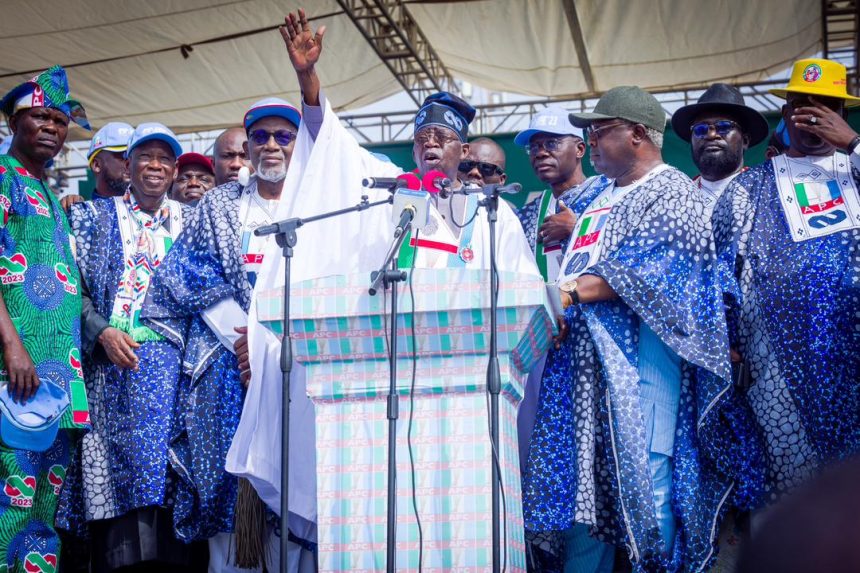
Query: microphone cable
point(412, 411)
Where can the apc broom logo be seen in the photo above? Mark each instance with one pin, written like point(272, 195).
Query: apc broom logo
point(20, 490)
point(39, 563)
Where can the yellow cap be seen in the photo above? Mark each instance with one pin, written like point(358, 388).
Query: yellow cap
point(818, 77)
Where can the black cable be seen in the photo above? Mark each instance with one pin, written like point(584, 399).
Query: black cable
point(412, 410)
point(465, 223)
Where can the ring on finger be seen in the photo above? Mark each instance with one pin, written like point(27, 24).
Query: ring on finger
point(813, 120)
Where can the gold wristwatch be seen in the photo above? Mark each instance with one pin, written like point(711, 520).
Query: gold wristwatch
point(569, 288)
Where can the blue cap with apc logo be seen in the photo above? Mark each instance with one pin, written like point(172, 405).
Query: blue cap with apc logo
point(113, 136)
point(153, 131)
point(551, 119)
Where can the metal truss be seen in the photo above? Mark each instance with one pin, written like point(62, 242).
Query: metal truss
point(840, 34)
point(514, 116)
point(401, 45)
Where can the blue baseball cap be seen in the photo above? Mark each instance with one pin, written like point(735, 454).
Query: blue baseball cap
point(114, 136)
point(153, 131)
point(32, 426)
point(271, 107)
point(551, 119)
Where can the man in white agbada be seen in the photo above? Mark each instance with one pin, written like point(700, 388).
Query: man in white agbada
point(325, 174)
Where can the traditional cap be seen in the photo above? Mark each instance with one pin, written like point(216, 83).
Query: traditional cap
point(113, 136)
point(551, 119)
point(153, 131)
point(818, 77)
point(722, 98)
point(32, 425)
point(446, 110)
point(271, 107)
point(195, 159)
point(48, 89)
point(630, 103)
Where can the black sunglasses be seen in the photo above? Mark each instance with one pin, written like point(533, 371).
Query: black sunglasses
point(722, 127)
point(282, 137)
point(485, 169)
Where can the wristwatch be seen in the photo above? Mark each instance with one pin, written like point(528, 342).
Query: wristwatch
point(569, 287)
point(854, 143)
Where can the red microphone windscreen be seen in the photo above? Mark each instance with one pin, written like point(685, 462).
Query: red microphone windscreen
point(412, 181)
point(429, 181)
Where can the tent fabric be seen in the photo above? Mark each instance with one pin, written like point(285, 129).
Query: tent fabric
point(125, 62)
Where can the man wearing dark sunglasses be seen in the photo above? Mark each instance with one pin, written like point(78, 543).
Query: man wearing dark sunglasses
point(788, 234)
point(720, 127)
point(485, 163)
point(221, 255)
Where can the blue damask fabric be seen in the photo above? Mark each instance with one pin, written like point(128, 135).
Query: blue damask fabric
point(795, 314)
point(203, 268)
point(122, 463)
point(588, 461)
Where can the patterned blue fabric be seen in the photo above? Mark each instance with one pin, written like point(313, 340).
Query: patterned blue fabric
point(203, 268)
point(795, 312)
point(589, 459)
point(122, 462)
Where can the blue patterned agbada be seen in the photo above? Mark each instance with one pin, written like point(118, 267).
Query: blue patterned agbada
point(203, 268)
point(122, 463)
point(794, 311)
point(588, 461)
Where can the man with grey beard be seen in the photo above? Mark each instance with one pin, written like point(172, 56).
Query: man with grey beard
point(203, 288)
point(720, 128)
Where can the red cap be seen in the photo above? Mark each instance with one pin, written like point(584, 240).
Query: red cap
point(195, 159)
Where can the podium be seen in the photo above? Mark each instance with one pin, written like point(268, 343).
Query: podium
point(339, 333)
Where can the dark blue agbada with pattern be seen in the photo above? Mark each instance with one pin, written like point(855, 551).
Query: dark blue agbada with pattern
point(121, 465)
point(203, 267)
point(588, 460)
point(794, 311)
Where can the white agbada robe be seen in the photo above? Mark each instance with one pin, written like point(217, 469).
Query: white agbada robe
point(324, 175)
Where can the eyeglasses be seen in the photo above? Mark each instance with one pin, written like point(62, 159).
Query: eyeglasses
point(485, 169)
point(722, 127)
point(593, 133)
point(551, 144)
point(442, 136)
point(283, 137)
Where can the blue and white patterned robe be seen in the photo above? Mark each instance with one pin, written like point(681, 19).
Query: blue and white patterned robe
point(122, 463)
point(794, 310)
point(203, 267)
point(588, 461)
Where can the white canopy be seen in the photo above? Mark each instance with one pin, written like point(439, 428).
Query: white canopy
point(125, 63)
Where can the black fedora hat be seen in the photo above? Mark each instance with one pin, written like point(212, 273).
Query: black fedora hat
point(727, 99)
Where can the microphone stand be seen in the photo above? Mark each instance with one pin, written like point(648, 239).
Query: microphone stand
point(490, 202)
point(286, 237)
point(389, 276)
point(494, 377)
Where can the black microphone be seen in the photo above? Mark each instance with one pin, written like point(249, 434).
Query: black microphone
point(389, 183)
point(489, 189)
point(406, 217)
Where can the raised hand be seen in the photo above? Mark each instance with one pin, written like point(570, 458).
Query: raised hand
point(303, 46)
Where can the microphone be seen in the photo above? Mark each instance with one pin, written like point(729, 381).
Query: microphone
point(490, 189)
point(412, 206)
point(435, 182)
point(389, 183)
point(407, 180)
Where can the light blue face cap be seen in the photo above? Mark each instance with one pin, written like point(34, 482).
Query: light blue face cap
point(113, 136)
point(272, 107)
point(32, 426)
point(552, 120)
point(153, 131)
